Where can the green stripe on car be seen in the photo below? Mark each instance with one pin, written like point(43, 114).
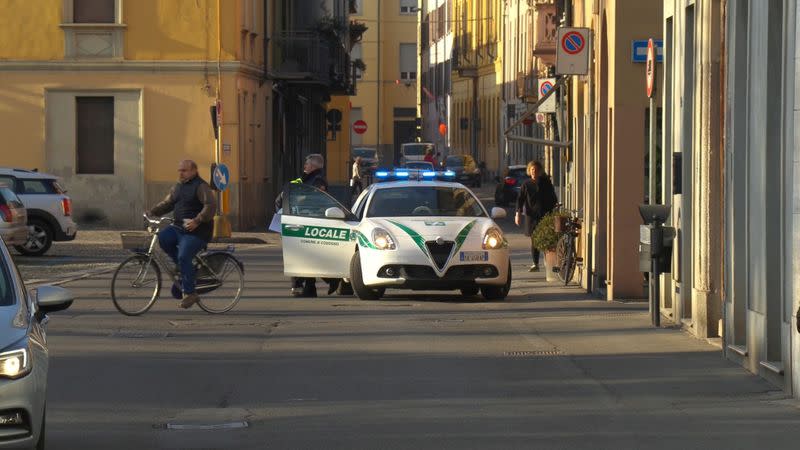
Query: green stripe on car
point(419, 240)
point(462, 235)
point(363, 241)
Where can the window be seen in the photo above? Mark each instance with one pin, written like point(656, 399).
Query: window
point(356, 53)
point(9, 182)
point(408, 6)
point(95, 135)
point(408, 61)
point(94, 11)
point(37, 187)
point(357, 7)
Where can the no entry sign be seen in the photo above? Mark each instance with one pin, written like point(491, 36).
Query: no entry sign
point(650, 72)
point(360, 127)
point(572, 51)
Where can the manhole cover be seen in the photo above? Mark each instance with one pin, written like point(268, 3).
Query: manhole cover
point(208, 426)
point(519, 354)
point(140, 334)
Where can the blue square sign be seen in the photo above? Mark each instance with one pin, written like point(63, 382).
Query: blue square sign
point(639, 50)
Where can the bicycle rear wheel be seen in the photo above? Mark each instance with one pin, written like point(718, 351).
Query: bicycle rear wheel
point(220, 281)
point(561, 254)
point(567, 270)
point(136, 285)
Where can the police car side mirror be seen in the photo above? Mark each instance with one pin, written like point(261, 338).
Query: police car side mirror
point(498, 213)
point(334, 213)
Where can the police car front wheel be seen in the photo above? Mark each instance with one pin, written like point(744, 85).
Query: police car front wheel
point(357, 281)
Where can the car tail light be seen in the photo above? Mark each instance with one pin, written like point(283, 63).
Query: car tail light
point(5, 213)
point(511, 181)
point(66, 206)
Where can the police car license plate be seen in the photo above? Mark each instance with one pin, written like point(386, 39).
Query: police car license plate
point(474, 256)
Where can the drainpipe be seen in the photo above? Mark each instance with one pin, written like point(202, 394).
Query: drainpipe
point(380, 85)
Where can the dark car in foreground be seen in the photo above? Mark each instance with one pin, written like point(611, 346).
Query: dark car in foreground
point(508, 187)
point(24, 355)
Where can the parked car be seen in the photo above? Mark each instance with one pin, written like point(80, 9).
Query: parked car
point(508, 187)
point(13, 228)
point(465, 168)
point(24, 355)
point(419, 165)
point(369, 159)
point(49, 209)
point(415, 151)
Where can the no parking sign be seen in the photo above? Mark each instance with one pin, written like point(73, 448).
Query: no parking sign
point(572, 51)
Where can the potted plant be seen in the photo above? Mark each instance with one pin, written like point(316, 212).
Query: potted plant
point(545, 238)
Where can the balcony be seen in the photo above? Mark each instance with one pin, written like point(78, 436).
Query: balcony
point(314, 58)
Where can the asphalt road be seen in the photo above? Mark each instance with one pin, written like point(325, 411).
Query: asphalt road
point(548, 368)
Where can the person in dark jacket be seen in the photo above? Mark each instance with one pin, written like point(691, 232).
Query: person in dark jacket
point(537, 198)
point(193, 204)
point(312, 175)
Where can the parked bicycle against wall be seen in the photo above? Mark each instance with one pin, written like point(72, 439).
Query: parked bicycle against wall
point(137, 282)
point(566, 249)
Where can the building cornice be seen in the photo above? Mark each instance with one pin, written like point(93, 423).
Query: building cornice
point(130, 66)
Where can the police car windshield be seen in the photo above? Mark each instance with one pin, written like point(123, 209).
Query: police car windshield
point(424, 201)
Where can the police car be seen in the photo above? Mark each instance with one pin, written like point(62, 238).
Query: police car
point(423, 234)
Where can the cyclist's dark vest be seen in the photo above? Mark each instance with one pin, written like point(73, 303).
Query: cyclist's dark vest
point(188, 206)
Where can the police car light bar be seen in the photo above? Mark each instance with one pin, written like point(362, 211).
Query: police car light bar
point(404, 174)
point(428, 174)
point(449, 173)
point(401, 174)
point(381, 174)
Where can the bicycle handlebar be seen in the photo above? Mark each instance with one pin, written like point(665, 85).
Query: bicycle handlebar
point(156, 220)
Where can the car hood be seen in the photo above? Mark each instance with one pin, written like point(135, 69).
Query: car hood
point(430, 228)
point(13, 325)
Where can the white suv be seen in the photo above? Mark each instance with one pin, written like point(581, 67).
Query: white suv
point(49, 209)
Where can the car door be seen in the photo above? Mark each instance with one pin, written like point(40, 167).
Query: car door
point(315, 245)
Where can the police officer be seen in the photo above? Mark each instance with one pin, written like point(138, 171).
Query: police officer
point(312, 175)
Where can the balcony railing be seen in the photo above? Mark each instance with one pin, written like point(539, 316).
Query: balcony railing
point(310, 57)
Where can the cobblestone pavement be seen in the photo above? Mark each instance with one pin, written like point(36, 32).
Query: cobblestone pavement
point(97, 251)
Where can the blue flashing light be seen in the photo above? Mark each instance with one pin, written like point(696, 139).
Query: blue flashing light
point(449, 173)
point(382, 174)
point(401, 174)
point(429, 174)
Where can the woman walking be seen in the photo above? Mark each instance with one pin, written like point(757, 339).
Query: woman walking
point(537, 198)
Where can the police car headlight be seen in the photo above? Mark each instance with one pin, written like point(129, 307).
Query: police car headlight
point(493, 239)
point(15, 364)
point(382, 239)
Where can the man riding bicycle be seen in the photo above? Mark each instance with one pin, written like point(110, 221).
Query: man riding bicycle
point(194, 205)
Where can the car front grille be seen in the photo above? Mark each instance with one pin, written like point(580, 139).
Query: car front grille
point(440, 253)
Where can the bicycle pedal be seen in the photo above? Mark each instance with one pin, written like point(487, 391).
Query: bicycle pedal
point(556, 269)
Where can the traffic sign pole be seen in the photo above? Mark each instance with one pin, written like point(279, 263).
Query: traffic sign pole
point(655, 278)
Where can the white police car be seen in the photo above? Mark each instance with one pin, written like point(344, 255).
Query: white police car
point(421, 235)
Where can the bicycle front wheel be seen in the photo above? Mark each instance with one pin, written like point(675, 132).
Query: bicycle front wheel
point(561, 254)
point(220, 281)
point(567, 270)
point(136, 285)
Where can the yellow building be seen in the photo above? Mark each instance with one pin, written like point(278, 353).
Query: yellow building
point(386, 93)
point(478, 80)
point(111, 94)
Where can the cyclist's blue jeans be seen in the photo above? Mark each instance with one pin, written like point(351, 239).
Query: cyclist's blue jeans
point(182, 248)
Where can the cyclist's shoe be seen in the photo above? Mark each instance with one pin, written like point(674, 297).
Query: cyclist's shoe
point(534, 268)
point(189, 300)
point(176, 291)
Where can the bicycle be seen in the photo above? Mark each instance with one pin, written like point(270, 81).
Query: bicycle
point(566, 251)
point(136, 284)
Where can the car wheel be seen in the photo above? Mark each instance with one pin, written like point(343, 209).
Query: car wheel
point(344, 289)
point(40, 238)
point(42, 431)
point(498, 292)
point(469, 292)
point(357, 281)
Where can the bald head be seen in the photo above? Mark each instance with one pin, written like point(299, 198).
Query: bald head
point(187, 169)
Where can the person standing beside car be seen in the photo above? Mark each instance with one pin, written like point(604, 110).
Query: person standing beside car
point(537, 198)
point(356, 186)
point(312, 175)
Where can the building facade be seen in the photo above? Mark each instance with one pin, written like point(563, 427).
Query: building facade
point(110, 95)
point(387, 87)
point(477, 81)
point(435, 94)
